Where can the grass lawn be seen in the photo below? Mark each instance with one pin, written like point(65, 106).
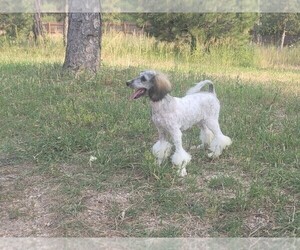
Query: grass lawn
point(51, 124)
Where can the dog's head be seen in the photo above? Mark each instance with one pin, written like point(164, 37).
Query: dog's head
point(151, 83)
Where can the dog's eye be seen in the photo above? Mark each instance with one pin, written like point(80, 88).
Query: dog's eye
point(143, 79)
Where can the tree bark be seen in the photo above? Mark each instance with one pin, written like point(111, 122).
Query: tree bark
point(66, 22)
point(282, 38)
point(83, 42)
point(193, 45)
point(38, 30)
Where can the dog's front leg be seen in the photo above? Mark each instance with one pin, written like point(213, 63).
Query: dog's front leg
point(162, 148)
point(180, 158)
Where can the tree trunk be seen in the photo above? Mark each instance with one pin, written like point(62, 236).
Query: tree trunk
point(66, 21)
point(193, 45)
point(38, 30)
point(83, 42)
point(282, 38)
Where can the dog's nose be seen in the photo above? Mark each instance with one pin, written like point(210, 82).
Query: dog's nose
point(128, 83)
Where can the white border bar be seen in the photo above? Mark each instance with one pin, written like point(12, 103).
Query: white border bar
point(149, 243)
point(129, 6)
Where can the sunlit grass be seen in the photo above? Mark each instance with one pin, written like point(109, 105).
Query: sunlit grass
point(266, 65)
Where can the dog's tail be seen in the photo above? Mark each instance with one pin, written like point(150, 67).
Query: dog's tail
point(197, 88)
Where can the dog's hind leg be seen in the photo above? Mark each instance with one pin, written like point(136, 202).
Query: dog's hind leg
point(206, 136)
point(220, 141)
point(180, 158)
point(162, 148)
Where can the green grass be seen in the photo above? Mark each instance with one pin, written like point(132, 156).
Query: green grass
point(54, 123)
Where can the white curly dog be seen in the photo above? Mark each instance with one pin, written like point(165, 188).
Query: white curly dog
point(172, 115)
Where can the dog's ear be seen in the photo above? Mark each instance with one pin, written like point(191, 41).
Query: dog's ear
point(161, 87)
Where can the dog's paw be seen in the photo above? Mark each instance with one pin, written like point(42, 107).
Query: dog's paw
point(218, 145)
point(161, 150)
point(181, 158)
point(197, 147)
point(182, 172)
point(212, 155)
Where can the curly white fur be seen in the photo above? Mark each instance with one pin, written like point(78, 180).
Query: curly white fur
point(172, 115)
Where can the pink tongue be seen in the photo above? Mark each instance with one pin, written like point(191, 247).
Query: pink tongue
point(137, 93)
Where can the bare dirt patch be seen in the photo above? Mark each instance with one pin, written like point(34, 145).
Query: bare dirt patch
point(257, 222)
point(104, 211)
point(26, 201)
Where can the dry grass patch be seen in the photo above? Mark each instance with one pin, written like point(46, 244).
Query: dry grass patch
point(105, 211)
point(27, 202)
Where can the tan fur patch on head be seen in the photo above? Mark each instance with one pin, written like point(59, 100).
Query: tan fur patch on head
point(162, 86)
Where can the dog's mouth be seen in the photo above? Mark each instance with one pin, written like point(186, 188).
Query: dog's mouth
point(138, 93)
